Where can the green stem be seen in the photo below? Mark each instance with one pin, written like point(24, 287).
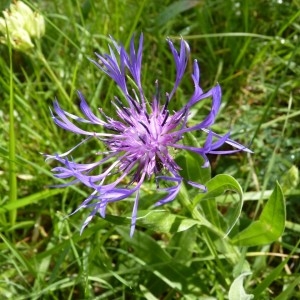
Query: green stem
point(185, 201)
point(229, 250)
point(52, 75)
point(12, 144)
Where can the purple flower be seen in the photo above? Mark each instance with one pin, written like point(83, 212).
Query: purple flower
point(139, 141)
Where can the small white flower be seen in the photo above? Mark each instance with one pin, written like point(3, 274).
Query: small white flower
point(20, 24)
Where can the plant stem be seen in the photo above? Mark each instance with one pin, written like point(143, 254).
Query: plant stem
point(12, 144)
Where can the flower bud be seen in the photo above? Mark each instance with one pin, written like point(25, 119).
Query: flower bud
point(20, 24)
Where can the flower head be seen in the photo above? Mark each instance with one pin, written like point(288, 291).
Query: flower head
point(139, 141)
point(20, 24)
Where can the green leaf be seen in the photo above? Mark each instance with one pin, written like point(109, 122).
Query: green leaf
point(218, 186)
point(192, 163)
point(29, 200)
point(17, 254)
point(270, 225)
point(290, 179)
point(152, 256)
point(236, 291)
point(159, 220)
point(173, 10)
point(269, 279)
point(187, 240)
point(192, 167)
point(289, 290)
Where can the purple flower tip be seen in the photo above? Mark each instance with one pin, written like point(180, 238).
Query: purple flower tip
point(139, 141)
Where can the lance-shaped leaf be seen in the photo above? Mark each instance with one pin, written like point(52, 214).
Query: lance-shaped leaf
point(270, 225)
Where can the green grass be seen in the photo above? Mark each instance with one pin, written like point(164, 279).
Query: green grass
point(252, 49)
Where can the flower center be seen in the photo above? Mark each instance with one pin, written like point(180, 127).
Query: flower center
point(146, 142)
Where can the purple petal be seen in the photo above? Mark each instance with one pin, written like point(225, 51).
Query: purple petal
point(197, 185)
point(87, 112)
point(134, 213)
point(181, 60)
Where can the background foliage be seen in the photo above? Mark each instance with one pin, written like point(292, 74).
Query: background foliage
point(178, 252)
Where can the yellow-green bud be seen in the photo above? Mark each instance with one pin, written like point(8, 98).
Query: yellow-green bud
point(20, 24)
